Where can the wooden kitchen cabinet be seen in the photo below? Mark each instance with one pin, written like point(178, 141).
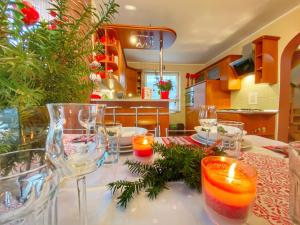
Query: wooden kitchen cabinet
point(132, 81)
point(228, 77)
point(191, 116)
point(266, 59)
point(223, 71)
point(256, 124)
point(206, 93)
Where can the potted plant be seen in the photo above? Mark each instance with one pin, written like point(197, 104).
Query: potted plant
point(47, 61)
point(164, 88)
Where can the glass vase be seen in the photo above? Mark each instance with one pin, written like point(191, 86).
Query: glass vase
point(28, 187)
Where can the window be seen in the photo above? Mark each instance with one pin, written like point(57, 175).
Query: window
point(151, 78)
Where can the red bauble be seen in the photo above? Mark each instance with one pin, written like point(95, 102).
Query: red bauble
point(31, 16)
point(103, 39)
point(53, 13)
point(100, 57)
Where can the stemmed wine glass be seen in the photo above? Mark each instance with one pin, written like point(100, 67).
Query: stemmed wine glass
point(207, 119)
point(73, 144)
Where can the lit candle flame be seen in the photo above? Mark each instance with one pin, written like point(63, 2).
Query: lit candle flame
point(231, 173)
point(145, 141)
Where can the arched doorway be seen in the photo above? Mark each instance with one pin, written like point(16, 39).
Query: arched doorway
point(285, 88)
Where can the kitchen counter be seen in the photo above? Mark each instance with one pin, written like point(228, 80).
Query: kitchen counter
point(130, 100)
point(248, 111)
point(124, 112)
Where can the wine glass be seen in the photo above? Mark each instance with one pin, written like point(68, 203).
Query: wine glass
point(28, 188)
point(73, 144)
point(207, 119)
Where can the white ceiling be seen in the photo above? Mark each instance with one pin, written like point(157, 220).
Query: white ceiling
point(205, 28)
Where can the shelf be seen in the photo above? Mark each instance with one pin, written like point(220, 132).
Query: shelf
point(266, 67)
point(111, 64)
point(112, 49)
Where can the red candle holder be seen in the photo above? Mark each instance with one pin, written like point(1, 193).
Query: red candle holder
point(142, 145)
point(229, 189)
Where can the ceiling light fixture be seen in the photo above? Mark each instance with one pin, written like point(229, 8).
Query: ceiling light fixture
point(144, 40)
point(130, 7)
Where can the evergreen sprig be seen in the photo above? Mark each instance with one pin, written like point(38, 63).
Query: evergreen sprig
point(39, 65)
point(177, 162)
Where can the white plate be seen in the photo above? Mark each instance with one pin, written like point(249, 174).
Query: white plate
point(213, 134)
point(126, 151)
point(128, 132)
point(197, 138)
point(126, 148)
point(245, 143)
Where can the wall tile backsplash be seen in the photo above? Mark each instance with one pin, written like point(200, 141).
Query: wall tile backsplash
point(267, 95)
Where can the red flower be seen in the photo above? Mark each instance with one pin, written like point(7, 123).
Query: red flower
point(31, 16)
point(187, 75)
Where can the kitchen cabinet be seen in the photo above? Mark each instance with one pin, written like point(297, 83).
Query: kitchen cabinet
point(256, 124)
point(206, 93)
point(266, 59)
point(228, 77)
point(222, 70)
point(132, 81)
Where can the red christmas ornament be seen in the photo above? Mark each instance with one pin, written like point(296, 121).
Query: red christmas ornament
point(53, 13)
point(100, 57)
point(31, 16)
point(101, 74)
point(103, 39)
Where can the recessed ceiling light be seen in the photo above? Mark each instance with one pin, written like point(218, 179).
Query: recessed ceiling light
point(130, 7)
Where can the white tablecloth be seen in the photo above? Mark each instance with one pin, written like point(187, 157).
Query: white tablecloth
point(178, 205)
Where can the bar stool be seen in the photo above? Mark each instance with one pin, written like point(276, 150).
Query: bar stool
point(149, 122)
point(114, 108)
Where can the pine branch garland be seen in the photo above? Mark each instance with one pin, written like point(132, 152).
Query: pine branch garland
point(177, 162)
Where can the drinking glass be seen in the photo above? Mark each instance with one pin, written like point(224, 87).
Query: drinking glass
point(73, 144)
point(207, 119)
point(113, 131)
point(231, 134)
point(28, 187)
point(294, 159)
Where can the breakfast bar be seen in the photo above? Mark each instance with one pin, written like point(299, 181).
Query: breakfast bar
point(147, 113)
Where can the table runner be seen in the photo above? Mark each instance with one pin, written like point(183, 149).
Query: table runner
point(272, 201)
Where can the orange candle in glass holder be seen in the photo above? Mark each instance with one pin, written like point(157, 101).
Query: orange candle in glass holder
point(142, 145)
point(229, 189)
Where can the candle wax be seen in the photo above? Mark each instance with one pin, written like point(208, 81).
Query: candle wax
point(142, 146)
point(227, 190)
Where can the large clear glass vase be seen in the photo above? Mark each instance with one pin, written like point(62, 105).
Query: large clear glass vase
point(75, 145)
point(28, 187)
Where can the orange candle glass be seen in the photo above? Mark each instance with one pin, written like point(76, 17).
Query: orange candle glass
point(142, 145)
point(229, 189)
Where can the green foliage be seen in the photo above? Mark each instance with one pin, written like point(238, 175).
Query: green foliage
point(38, 65)
point(164, 85)
point(177, 162)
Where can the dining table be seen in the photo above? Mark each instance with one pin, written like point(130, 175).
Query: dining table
point(178, 204)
